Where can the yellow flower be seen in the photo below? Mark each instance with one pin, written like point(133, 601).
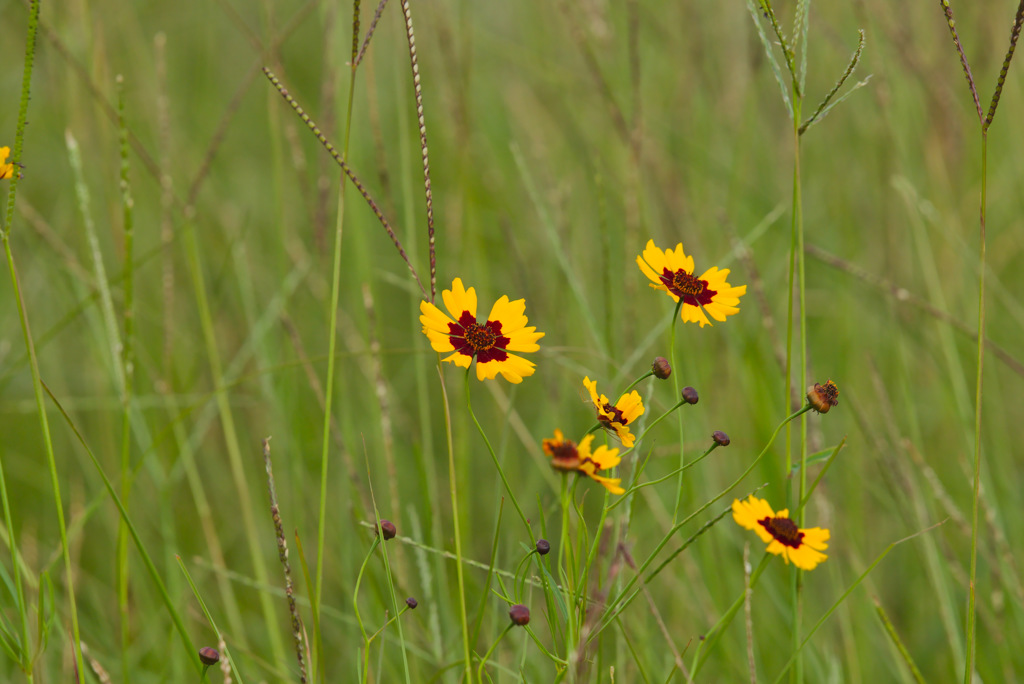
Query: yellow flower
point(565, 455)
point(616, 417)
point(672, 272)
point(489, 342)
point(6, 170)
point(783, 537)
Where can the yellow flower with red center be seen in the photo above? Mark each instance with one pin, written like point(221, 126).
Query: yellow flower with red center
point(800, 546)
point(672, 272)
point(6, 170)
point(565, 455)
point(490, 342)
point(616, 416)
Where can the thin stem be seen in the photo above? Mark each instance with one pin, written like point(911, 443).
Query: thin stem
point(801, 260)
point(37, 382)
point(456, 520)
point(483, 661)
point(675, 386)
point(713, 634)
point(128, 375)
point(497, 464)
point(355, 606)
point(972, 585)
point(677, 526)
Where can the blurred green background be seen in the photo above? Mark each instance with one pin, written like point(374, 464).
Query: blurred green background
point(562, 136)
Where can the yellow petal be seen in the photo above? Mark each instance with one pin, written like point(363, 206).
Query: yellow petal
point(676, 259)
point(631, 405)
point(524, 340)
point(611, 484)
point(459, 299)
point(510, 314)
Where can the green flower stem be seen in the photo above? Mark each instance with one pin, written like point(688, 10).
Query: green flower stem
point(676, 527)
point(821, 473)
point(483, 660)
point(801, 260)
point(355, 607)
point(675, 386)
point(567, 561)
point(37, 382)
point(638, 381)
point(663, 478)
point(712, 635)
point(454, 492)
point(972, 584)
point(497, 464)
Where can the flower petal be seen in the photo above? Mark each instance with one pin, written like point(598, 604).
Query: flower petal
point(513, 368)
point(631, 405)
point(459, 299)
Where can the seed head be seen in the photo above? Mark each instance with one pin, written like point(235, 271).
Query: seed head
point(209, 656)
point(690, 395)
point(721, 439)
point(412, 603)
point(519, 614)
point(823, 397)
point(661, 368)
point(543, 546)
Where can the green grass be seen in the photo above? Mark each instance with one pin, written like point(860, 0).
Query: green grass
point(562, 136)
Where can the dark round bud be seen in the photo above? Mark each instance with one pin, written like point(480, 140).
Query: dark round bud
point(519, 614)
point(721, 439)
point(388, 529)
point(543, 546)
point(690, 395)
point(661, 368)
point(209, 656)
point(412, 603)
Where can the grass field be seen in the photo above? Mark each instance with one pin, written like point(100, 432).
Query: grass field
point(182, 245)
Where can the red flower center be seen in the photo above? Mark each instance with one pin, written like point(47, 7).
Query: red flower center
point(690, 289)
point(480, 337)
point(485, 342)
point(784, 531)
point(564, 455)
point(610, 414)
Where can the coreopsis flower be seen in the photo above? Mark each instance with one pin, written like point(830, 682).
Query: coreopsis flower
point(565, 455)
point(490, 342)
point(616, 416)
point(672, 272)
point(800, 546)
point(6, 170)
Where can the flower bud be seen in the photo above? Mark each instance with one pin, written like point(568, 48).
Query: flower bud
point(209, 656)
point(661, 368)
point(543, 546)
point(412, 603)
point(823, 397)
point(690, 395)
point(721, 439)
point(388, 529)
point(519, 614)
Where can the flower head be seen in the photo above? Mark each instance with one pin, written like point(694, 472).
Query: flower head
point(616, 417)
point(672, 272)
point(784, 538)
point(489, 342)
point(565, 455)
point(823, 397)
point(6, 170)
